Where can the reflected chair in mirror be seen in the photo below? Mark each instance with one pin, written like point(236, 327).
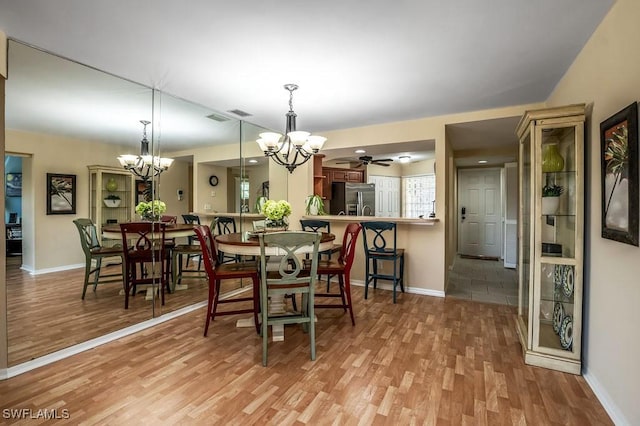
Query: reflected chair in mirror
point(192, 250)
point(342, 268)
point(226, 225)
point(170, 243)
point(288, 276)
point(93, 251)
point(380, 245)
point(216, 272)
point(315, 225)
point(145, 249)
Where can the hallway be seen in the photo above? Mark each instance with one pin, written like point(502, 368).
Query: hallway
point(483, 281)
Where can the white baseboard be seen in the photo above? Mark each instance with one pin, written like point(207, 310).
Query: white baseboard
point(605, 399)
point(7, 373)
point(413, 290)
point(49, 270)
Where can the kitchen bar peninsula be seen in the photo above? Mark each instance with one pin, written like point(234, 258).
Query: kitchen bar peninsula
point(424, 255)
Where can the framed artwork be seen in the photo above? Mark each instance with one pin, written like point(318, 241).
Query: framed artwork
point(143, 191)
point(13, 185)
point(61, 194)
point(619, 148)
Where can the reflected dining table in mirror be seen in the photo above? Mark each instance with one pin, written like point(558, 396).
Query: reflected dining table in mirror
point(248, 244)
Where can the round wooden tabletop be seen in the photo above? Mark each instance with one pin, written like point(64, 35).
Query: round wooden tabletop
point(247, 243)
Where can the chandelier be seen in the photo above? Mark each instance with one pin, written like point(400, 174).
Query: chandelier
point(144, 166)
point(296, 147)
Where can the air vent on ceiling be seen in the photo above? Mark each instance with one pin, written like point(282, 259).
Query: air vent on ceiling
point(239, 112)
point(216, 117)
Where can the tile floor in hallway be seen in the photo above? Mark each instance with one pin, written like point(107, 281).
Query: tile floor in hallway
point(484, 281)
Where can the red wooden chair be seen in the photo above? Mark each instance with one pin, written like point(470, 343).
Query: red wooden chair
point(148, 248)
point(342, 268)
point(216, 272)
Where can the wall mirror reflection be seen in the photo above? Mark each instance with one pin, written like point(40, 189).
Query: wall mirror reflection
point(64, 117)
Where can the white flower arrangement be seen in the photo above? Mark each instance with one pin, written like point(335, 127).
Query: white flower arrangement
point(276, 211)
point(151, 208)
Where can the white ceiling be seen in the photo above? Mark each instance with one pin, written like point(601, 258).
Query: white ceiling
point(356, 63)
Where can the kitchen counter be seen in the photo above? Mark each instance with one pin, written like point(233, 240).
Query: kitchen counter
point(399, 220)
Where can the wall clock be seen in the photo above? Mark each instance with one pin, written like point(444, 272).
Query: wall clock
point(213, 180)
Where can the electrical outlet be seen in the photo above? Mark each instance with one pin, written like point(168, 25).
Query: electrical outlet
point(213, 193)
point(207, 206)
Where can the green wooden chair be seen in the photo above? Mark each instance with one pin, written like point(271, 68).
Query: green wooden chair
point(290, 277)
point(93, 251)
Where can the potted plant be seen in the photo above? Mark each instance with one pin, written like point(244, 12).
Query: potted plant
point(276, 213)
point(151, 210)
point(314, 205)
point(112, 200)
point(551, 198)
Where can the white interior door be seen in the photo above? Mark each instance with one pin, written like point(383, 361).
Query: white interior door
point(479, 212)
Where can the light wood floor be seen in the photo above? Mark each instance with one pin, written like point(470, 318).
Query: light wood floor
point(424, 360)
point(46, 312)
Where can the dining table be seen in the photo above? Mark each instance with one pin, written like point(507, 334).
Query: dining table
point(248, 244)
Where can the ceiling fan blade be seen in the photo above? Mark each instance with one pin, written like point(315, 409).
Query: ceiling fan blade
point(380, 164)
point(384, 159)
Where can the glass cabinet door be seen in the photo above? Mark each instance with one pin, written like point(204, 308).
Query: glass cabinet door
point(525, 235)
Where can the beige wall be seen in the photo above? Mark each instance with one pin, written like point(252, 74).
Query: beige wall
point(43, 234)
point(606, 74)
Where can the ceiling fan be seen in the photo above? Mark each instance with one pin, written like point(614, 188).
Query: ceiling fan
point(365, 160)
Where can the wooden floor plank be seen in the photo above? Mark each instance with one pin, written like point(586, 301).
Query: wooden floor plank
point(451, 362)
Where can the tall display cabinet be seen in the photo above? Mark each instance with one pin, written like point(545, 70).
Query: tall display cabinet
point(111, 196)
point(550, 237)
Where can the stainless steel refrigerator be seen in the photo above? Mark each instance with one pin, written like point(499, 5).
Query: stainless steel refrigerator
point(353, 199)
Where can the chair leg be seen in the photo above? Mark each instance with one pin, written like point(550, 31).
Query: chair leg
point(87, 272)
point(341, 284)
point(402, 273)
point(256, 302)
point(366, 279)
point(212, 291)
point(347, 290)
point(395, 279)
point(312, 325)
point(265, 327)
point(127, 283)
point(375, 273)
point(96, 276)
point(176, 258)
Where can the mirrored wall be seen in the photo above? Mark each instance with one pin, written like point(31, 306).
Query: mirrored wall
point(72, 121)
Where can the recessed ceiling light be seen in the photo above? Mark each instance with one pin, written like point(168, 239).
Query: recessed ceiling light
point(404, 158)
point(482, 162)
point(253, 161)
point(360, 151)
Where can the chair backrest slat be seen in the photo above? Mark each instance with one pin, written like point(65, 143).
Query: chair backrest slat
point(209, 255)
point(315, 225)
point(373, 233)
point(348, 250)
point(225, 225)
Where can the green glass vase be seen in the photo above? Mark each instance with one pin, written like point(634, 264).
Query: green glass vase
point(552, 161)
point(111, 185)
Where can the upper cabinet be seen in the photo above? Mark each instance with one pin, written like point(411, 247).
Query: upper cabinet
point(340, 175)
point(551, 229)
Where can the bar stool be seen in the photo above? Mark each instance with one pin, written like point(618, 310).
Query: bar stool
point(377, 248)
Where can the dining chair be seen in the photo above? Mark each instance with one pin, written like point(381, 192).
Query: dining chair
point(342, 268)
point(289, 277)
point(381, 248)
point(316, 225)
point(93, 251)
point(192, 249)
point(147, 248)
point(216, 272)
point(226, 225)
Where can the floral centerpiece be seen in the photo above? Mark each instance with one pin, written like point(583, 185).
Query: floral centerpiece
point(276, 213)
point(151, 210)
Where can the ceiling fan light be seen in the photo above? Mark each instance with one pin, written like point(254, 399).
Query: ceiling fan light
point(404, 158)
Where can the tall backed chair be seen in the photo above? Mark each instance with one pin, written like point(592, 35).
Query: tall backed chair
point(191, 249)
point(93, 251)
point(216, 272)
point(316, 225)
point(290, 277)
point(380, 245)
point(147, 248)
point(226, 225)
point(342, 268)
